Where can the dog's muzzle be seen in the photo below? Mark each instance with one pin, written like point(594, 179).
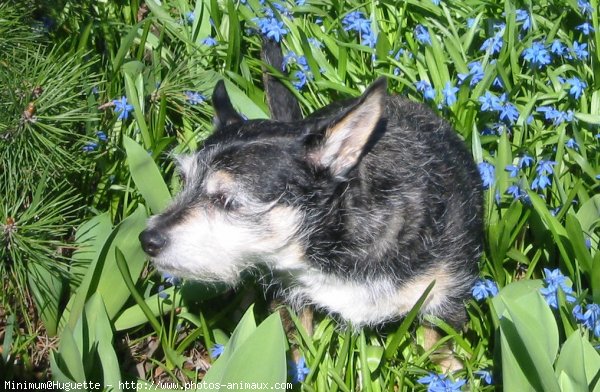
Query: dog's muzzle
point(152, 241)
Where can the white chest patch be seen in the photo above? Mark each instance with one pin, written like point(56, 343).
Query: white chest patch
point(371, 302)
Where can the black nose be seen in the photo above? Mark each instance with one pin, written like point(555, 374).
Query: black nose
point(152, 241)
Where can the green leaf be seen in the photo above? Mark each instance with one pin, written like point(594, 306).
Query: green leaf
point(102, 329)
point(244, 329)
point(69, 358)
point(47, 288)
point(532, 335)
point(260, 358)
point(571, 363)
point(103, 274)
point(146, 176)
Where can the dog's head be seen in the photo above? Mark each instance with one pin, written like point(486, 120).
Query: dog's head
point(250, 193)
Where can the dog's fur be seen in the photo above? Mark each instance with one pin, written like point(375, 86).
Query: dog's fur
point(355, 209)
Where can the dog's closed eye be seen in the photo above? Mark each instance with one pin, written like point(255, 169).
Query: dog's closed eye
point(223, 201)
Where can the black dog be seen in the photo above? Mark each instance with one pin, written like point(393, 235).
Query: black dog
point(355, 209)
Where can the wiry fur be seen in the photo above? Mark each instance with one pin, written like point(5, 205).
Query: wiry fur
point(355, 209)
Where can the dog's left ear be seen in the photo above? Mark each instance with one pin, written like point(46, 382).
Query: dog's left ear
point(225, 114)
point(346, 136)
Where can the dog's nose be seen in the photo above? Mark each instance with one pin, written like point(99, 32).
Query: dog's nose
point(152, 241)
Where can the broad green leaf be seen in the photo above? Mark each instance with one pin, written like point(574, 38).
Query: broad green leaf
point(104, 276)
point(260, 358)
point(571, 363)
point(513, 292)
point(47, 287)
point(146, 176)
point(89, 239)
point(69, 358)
point(244, 329)
point(529, 324)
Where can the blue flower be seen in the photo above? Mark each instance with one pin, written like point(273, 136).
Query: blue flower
point(513, 170)
point(300, 79)
point(356, 21)
point(486, 170)
point(449, 93)
point(189, 17)
point(122, 108)
point(282, 9)
point(585, 7)
point(424, 87)
point(580, 50)
point(537, 55)
point(161, 292)
point(194, 98)
point(509, 112)
point(489, 102)
point(422, 34)
point(541, 182)
point(588, 318)
point(545, 167)
point(171, 279)
point(558, 48)
point(525, 160)
point(518, 193)
point(557, 116)
point(586, 28)
point(572, 144)
point(525, 17)
point(369, 39)
point(90, 146)
point(441, 383)
point(101, 136)
point(476, 73)
point(553, 280)
point(484, 288)
point(494, 43)
point(216, 350)
point(486, 375)
point(298, 371)
point(470, 22)
point(271, 28)
point(209, 41)
point(577, 86)
point(436, 2)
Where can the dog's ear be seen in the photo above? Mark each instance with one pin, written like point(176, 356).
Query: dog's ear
point(282, 103)
point(225, 114)
point(346, 136)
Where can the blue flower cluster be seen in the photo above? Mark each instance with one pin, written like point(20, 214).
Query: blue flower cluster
point(441, 383)
point(168, 281)
point(302, 74)
point(298, 370)
point(93, 145)
point(488, 174)
point(357, 22)
point(484, 288)
point(554, 279)
point(589, 317)
point(194, 98)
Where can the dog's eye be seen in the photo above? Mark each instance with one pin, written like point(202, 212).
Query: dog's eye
point(223, 201)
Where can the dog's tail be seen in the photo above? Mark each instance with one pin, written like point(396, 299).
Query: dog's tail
point(282, 103)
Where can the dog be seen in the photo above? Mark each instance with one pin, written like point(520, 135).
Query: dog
point(353, 210)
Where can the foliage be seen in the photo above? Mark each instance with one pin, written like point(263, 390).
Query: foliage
point(99, 95)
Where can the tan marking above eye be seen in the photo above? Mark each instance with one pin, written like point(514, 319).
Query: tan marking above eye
point(219, 181)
